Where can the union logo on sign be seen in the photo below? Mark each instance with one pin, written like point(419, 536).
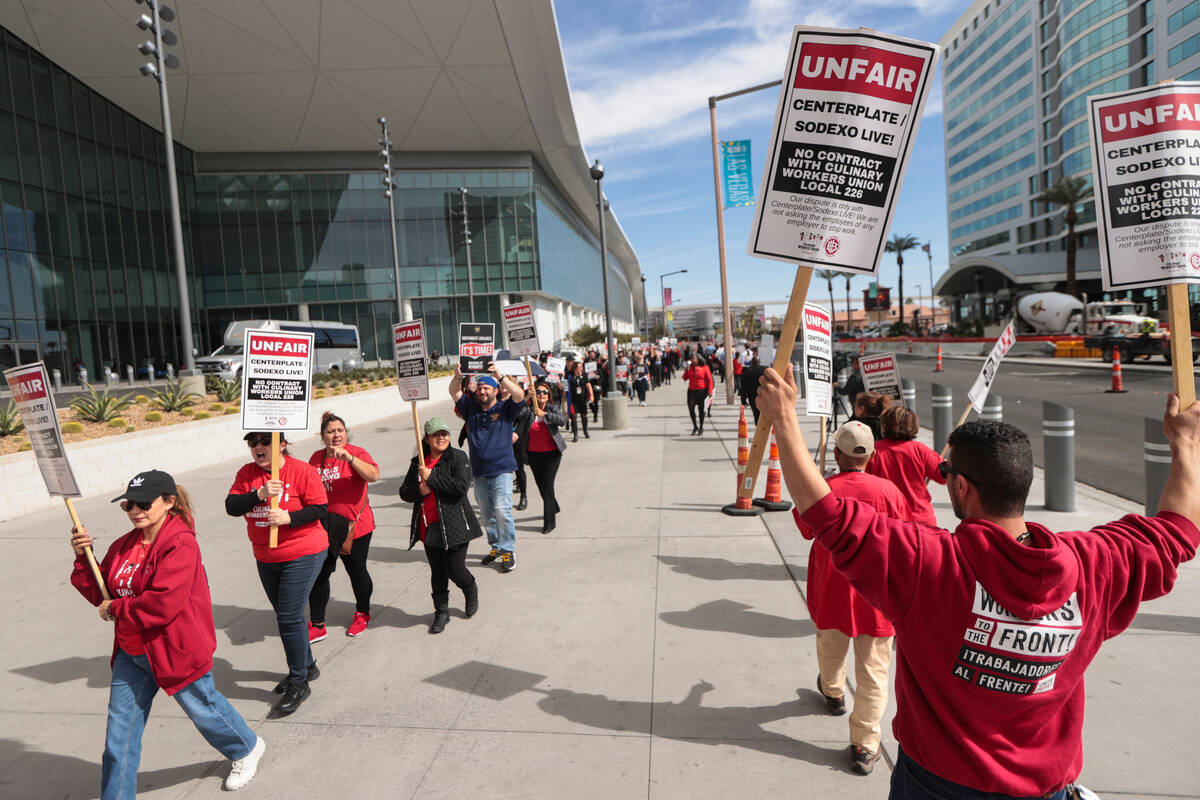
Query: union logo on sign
point(831, 245)
point(1195, 261)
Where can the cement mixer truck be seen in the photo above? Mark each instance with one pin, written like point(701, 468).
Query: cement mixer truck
point(1111, 326)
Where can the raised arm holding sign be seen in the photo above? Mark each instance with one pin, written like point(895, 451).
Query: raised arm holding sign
point(847, 117)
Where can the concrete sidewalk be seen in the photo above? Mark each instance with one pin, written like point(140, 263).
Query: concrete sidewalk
point(651, 647)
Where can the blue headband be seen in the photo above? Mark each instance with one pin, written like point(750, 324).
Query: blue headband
point(487, 380)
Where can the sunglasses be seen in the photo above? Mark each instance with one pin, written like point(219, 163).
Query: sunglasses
point(255, 441)
point(542, 391)
point(946, 471)
point(128, 505)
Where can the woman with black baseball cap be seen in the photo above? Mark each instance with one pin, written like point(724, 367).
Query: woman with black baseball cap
point(289, 570)
point(164, 635)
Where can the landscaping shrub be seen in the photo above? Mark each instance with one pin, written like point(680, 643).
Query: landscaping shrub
point(94, 407)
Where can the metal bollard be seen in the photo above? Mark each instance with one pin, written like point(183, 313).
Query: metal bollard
point(1158, 463)
point(83, 376)
point(801, 381)
point(129, 374)
point(56, 376)
point(170, 372)
point(993, 408)
point(1058, 445)
point(909, 391)
point(110, 377)
point(942, 400)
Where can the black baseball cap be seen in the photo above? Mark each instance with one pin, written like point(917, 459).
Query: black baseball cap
point(145, 486)
point(267, 434)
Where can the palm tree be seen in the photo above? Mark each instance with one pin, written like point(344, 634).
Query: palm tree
point(827, 275)
point(849, 319)
point(1068, 192)
point(898, 245)
point(748, 322)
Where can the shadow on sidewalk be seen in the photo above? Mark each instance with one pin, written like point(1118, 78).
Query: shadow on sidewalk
point(1169, 623)
point(722, 569)
point(729, 616)
point(737, 726)
point(36, 774)
point(228, 679)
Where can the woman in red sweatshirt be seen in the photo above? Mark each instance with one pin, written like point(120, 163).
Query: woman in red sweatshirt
point(164, 636)
point(909, 464)
point(700, 388)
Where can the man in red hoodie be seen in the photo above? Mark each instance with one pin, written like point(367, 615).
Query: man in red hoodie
point(842, 616)
point(996, 621)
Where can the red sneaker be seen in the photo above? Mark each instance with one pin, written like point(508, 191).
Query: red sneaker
point(359, 624)
point(315, 633)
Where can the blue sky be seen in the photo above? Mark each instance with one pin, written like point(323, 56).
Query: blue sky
point(641, 73)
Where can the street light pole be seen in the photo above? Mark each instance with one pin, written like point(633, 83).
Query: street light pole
point(158, 71)
point(389, 193)
point(662, 294)
point(645, 313)
point(467, 248)
point(597, 172)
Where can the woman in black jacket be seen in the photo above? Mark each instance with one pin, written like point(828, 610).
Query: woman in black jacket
point(544, 446)
point(443, 519)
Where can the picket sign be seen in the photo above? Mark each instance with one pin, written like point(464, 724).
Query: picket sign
point(978, 392)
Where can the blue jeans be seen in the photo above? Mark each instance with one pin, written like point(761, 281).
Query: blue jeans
point(129, 698)
point(911, 781)
point(494, 496)
point(288, 584)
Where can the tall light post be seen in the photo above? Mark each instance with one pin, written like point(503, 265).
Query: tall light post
point(157, 70)
point(467, 248)
point(389, 192)
point(662, 295)
point(597, 173)
point(645, 313)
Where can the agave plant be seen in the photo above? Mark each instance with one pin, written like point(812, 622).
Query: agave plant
point(94, 407)
point(174, 397)
point(227, 391)
point(10, 419)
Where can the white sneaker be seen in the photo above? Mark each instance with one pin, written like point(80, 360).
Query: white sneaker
point(244, 768)
point(642, 403)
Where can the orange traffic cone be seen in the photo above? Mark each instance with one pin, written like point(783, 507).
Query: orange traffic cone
point(774, 496)
point(862, 348)
point(1118, 385)
point(742, 506)
point(910, 344)
point(938, 368)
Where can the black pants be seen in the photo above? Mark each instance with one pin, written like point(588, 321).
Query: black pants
point(448, 565)
point(544, 467)
point(696, 398)
point(519, 480)
point(356, 568)
point(595, 406)
point(639, 386)
point(576, 414)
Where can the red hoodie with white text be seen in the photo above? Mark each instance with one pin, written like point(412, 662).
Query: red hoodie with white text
point(993, 636)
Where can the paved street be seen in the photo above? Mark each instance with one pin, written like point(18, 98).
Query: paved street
point(651, 647)
point(1108, 427)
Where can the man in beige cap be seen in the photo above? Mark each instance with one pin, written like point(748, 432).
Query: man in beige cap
point(842, 616)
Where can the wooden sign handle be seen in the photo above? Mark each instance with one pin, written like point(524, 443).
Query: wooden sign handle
point(1182, 368)
point(823, 444)
point(274, 542)
point(966, 413)
point(531, 392)
point(87, 551)
point(417, 433)
point(783, 360)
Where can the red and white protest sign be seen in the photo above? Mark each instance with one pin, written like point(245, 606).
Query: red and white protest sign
point(979, 390)
point(1146, 155)
point(277, 378)
point(881, 374)
point(33, 398)
point(818, 361)
point(555, 368)
point(412, 366)
point(520, 330)
point(845, 124)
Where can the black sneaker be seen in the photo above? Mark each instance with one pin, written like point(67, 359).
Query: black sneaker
point(508, 562)
point(490, 557)
point(836, 705)
point(313, 674)
point(293, 696)
point(862, 759)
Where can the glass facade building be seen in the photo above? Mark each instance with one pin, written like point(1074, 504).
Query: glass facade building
point(1016, 77)
point(86, 270)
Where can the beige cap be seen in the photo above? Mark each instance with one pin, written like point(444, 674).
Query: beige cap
point(854, 439)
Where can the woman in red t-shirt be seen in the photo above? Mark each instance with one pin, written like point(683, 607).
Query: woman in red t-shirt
point(443, 519)
point(287, 571)
point(164, 636)
point(700, 388)
point(904, 461)
point(345, 470)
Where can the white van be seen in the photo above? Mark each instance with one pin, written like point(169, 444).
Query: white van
point(336, 346)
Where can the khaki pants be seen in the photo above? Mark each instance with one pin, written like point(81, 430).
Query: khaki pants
point(872, 655)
